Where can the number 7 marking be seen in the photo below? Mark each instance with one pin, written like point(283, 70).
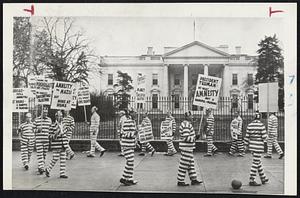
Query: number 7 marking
point(292, 78)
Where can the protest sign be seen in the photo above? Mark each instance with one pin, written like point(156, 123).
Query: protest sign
point(145, 133)
point(62, 95)
point(43, 90)
point(20, 100)
point(207, 91)
point(84, 97)
point(31, 86)
point(141, 89)
point(166, 130)
point(74, 95)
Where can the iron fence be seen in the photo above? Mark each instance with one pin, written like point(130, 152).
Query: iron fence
point(157, 109)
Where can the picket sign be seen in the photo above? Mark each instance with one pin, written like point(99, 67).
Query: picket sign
point(166, 130)
point(20, 100)
point(84, 97)
point(43, 90)
point(62, 95)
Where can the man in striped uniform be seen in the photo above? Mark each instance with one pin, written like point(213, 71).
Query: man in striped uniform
point(69, 123)
point(254, 139)
point(236, 134)
point(272, 137)
point(128, 143)
point(209, 129)
point(94, 129)
point(171, 149)
point(26, 131)
point(147, 146)
point(122, 119)
point(186, 146)
point(42, 125)
point(59, 143)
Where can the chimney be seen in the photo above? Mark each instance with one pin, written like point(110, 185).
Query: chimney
point(238, 50)
point(150, 51)
point(223, 48)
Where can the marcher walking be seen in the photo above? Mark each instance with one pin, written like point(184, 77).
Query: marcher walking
point(146, 122)
point(69, 123)
point(122, 119)
point(209, 130)
point(171, 149)
point(237, 136)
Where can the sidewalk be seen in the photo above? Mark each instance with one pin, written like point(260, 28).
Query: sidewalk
point(156, 174)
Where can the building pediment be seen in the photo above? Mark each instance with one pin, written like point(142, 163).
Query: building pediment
point(196, 49)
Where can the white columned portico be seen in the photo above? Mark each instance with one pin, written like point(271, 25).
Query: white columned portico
point(185, 81)
point(206, 69)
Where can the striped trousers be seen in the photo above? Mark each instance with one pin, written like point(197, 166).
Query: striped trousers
point(69, 150)
point(94, 144)
point(26, 150)
point(272, 140)
point(171, 148)
point(41, 150)
point(58, 154)
point(147, 146)
point(128, 170)
point(210, 145)
point(186, 164)
point(257, 167)
point(237, 145)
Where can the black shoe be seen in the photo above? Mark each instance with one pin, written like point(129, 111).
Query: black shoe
point(196, 182)
point(26, 167)
point(132, 182)
point(63, 176)
point(102, 152)
point(264, 181)
point(71, 157)
point(125, 182)
point(281, 156)
point(253, 183)
point(47, 173)
point(169, 154)
point(215, 151)
point(240, 155)
point(90, 155)
point(40, 171)
point(230, 153)
point(268, 156)
point(207, 155)
point(141, 154)
point(152, 153)
point(182, 184)
point(121, 155)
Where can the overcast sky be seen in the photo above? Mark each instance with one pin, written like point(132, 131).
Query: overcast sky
point(117, 36)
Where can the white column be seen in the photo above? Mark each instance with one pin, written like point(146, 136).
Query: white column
point(166, 80)
point(206, 69)
point(185, 81)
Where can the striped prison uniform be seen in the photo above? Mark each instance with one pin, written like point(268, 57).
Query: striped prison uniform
point(122, 119)
point(171, 148)
point(94, 129)
point(255, 137)
point(236, 130)
point(146, 145)
point(186, 146)
point(272, 136)
point(26, 131)
point(210, 122)
point(59, 144)
point(128, 145)
point(42, 139)
point(69, 123)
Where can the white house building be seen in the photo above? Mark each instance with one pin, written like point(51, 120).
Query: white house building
point(174, 73)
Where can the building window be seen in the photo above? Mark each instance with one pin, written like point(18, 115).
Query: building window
point(154, 101)
point(234, 101)
point(250, 79)
point(154, 79)
point(176, 101)
point(110, 79)
point(250, 101)
point(140, 105)
point(177, 79)
point(194, 79)
point(234, 79)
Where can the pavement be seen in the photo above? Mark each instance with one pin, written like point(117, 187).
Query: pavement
point(154, 174)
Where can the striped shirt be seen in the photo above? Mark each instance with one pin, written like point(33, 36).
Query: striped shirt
point(272, 125)
point(45, 124)
point(95, 122)
point(128, 134)
point(122, 119)
point(58, 136)
point(187, 136)
point(172, 120)
point(69, 123)
point(240, 124)
point(255, 136)
point(210, 124)
point(27, 131)
point(147, 125)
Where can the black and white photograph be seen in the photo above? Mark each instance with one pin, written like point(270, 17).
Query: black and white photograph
point(198, 101)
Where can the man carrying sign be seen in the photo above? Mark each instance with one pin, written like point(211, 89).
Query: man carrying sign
point(209, 130)
point(171, 149)
point(236, 134)
point(69, 123)
point(146, 122)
